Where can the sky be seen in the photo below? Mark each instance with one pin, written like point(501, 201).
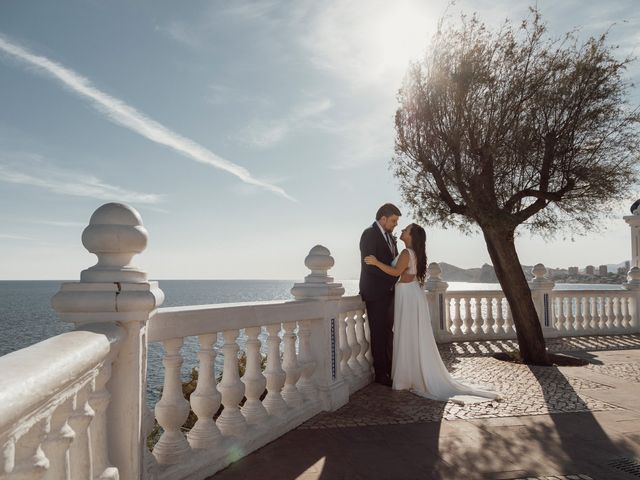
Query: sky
point(244, 132)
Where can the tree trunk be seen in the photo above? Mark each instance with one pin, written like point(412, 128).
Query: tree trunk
point(502, 250)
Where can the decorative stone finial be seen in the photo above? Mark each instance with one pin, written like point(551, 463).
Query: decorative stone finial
point(633, 279)
point(539, 271)
point(115, 234)
point(434, 270)
point(635, 208)
point(540, 280)
point(434, 281)
point(318, 283)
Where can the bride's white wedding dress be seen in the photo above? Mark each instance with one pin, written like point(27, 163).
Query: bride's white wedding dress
point(417, 365)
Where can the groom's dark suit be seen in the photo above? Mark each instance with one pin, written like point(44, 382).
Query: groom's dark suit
point(376, 289)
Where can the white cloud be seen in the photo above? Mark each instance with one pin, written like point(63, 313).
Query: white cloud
point(37, 173)
point(7, 236)
point(264, 133)
point(122, 114)
point(181, 33)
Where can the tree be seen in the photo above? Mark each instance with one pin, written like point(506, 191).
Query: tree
point(511, 129)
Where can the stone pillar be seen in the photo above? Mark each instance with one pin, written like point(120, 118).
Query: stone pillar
point(115, 291)
point(634, 223)
point(325, 344)
point(541, 287)
point(633, 285)
point(437, 298)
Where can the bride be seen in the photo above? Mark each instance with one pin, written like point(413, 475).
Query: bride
point(416, 364)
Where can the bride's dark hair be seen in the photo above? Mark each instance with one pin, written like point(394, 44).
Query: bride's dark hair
point(418, 245)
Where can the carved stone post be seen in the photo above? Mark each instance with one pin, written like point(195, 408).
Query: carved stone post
point(633, 285)
point(438, 302)
point(541, 287)
point(325, 341)
point(115, 291)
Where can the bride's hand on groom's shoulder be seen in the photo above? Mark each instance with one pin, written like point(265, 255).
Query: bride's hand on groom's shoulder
point(371, 260)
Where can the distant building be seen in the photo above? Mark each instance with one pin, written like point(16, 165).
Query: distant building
point(603, 270)
point(573, 271)
point(627, 265)
point(590, 270)
point(622, 270)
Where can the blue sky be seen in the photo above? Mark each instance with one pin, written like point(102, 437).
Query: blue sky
point(244, 132)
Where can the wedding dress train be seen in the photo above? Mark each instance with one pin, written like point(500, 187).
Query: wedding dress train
point(417, 365)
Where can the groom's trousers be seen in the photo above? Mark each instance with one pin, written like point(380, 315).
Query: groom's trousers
point(380, 316)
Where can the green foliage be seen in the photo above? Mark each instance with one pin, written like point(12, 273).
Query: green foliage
point(512, 127)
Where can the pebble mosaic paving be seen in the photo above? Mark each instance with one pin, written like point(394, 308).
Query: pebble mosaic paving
point(526, 390)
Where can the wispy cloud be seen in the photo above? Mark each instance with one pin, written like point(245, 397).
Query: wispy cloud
point(6, 236)
point(37, 173)
point(55, 223)
point(181, 33)
point(264, 133)
point(122, 114)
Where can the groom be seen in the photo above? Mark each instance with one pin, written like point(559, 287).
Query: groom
point(376, 288)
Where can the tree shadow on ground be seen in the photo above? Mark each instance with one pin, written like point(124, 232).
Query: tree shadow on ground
point(374, 436)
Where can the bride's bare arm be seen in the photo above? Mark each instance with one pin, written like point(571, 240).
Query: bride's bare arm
point(401, 266)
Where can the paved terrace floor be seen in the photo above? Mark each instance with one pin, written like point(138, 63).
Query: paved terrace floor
point(554, 423)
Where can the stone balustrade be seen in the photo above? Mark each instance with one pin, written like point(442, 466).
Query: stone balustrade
point(307, 371)
point(53, 406)
point(74, 405)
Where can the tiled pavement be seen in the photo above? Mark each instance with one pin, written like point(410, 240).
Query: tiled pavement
point(567, 422)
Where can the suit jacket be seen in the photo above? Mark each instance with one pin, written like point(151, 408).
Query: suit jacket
point(374, 283)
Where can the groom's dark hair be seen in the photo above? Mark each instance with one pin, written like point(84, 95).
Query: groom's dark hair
point(387, 210)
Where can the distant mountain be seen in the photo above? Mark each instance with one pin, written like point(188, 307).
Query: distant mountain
point(486, 273)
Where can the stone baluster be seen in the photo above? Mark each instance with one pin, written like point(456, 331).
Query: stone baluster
point(231, 421)
point(499, 318)
point(508, 319)
point(205, 399)
point(291, 368)
point(628, 318)
point(273, 402)
point(367, 336)
point(588, 316)
point(561, 324)
point(307, 384)
point(345, 349)
point(571, 316)
point(254, 381)
point(611, 304)
point(478, 317)
point(456, 321)
point(579, 314)
point(483, 307)
point(355, 347)
point(606, 312)
point(99, 401)
point(467, 321)
point(80, 452)
point(597, 314)
point(173, 409)
point(58, 440)
point(490, 322)
point(25, 459)
point(617, 313)
point(362, 341)
point(115, 291)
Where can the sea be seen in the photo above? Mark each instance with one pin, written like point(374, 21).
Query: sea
point(26, 316)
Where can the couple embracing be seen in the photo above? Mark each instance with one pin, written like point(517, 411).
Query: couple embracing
point(405, 354)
